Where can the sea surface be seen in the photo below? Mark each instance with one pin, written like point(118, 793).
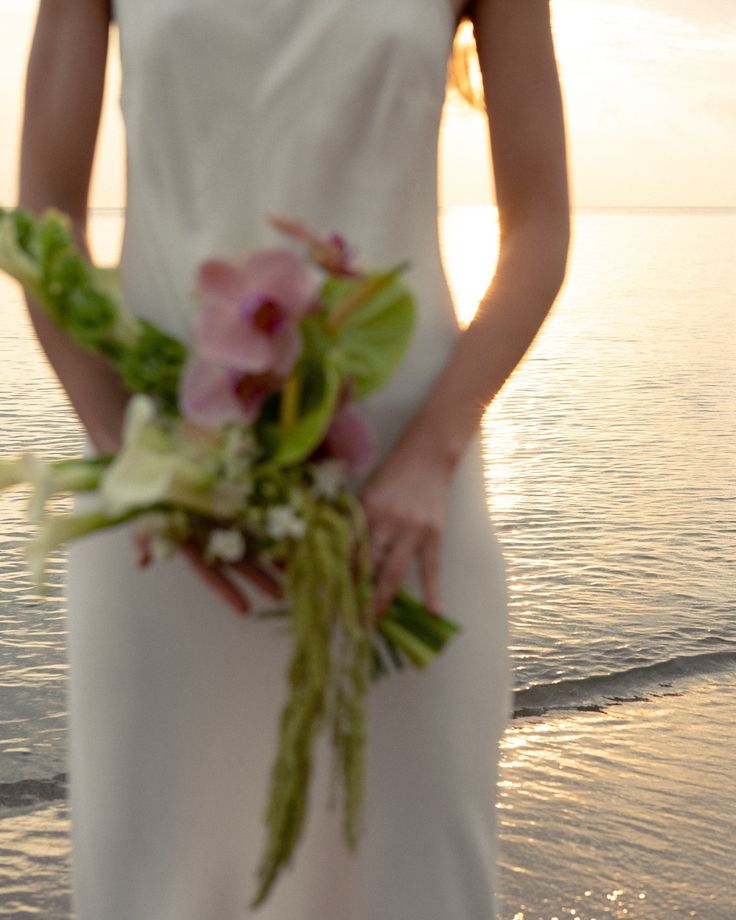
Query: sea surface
point(611, 480)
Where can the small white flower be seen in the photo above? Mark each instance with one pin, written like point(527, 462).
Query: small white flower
point(161, 548)
point(236, 457)
point(329, 475)
point(153, 523)
point(296, 499)
point(239, 441)
point(228, 545)
point(283, 521)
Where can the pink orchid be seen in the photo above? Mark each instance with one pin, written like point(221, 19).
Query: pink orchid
point(211, 395)
point(349, 436)
point(331, 252)
point(246, 337)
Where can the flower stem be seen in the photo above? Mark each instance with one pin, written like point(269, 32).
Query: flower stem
point(290, 401)
point(359, 295)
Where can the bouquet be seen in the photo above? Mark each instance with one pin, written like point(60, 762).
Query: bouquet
point(242, 446)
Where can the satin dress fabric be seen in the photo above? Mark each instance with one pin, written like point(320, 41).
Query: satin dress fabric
point(326, 111)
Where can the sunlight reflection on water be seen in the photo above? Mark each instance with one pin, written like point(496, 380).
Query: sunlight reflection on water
point(609, 474)
point(34, 864)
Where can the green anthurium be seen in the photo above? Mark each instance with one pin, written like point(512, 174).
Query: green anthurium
point(373, 333)
point(319, 390)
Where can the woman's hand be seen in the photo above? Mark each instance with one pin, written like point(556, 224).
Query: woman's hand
point(219, 575)
point(405, 502)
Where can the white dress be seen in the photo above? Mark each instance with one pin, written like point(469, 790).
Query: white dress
point(326, 111)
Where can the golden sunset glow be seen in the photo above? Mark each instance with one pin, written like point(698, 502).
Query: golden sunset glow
point(469, 236)
point(649, 97)
point(16, 27)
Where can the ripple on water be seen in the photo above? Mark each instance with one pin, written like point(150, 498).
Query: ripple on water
point(610, 468)
point(628, 813)
point(34, 864)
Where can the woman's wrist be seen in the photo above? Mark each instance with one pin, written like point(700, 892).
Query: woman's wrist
point(441, 432)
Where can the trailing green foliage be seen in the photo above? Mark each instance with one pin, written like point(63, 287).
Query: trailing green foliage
point(352, 678)
point(309, 583)
point(153, 365)
point(40, 252)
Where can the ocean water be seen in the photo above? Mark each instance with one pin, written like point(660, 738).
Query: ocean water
point(611, 474)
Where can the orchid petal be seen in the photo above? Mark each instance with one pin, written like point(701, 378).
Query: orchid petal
point(283, 276)
point(208, 394)
point(332, 253)
point(287, 348)
point(350, 438)
point(252, 393)
point(223, 337)
point(219, 279)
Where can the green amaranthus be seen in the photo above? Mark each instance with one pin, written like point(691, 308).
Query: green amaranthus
point(323, 604)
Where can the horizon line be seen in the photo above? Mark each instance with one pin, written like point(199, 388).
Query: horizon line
point(479, 204)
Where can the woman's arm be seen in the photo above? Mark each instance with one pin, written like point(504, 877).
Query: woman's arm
point(524, 105)
point(64, 87)
point(405, 499)
point(65, 83)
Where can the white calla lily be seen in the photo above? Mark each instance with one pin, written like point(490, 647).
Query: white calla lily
point(154, 466)
point(60, 529)
point(38, 474)
point(46, 478)
point(49, 478)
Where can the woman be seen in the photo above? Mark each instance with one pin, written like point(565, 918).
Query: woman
point(326, 111)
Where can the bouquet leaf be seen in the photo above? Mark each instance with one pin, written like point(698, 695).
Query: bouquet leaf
point(319, 385)
point(371, 339)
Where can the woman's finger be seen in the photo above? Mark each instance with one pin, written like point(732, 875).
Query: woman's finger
point(252, 569)
point(380, 544)
point(429, 571)
point(143, 547)
point(216, 578)
point(391, 571)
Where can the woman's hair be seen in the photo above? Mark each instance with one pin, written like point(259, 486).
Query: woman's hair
point(463, 69)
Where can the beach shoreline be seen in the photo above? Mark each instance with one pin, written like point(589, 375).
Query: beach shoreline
point(625, 812)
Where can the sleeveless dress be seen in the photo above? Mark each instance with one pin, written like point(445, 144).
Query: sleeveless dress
point(326, 111)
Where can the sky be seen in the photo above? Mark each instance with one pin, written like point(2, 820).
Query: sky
point(650, 102)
